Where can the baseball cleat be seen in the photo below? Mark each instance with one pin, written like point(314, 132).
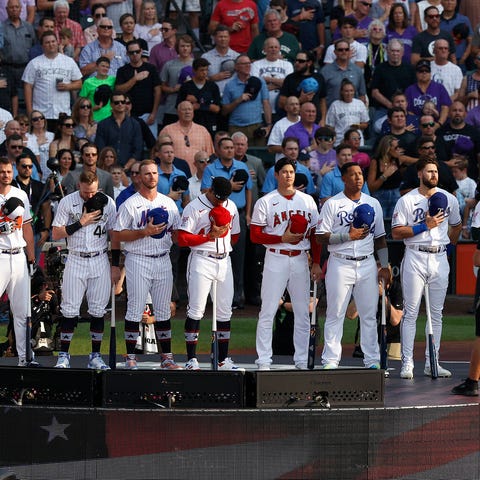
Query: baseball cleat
point(301, 366)
point(168, 363)
point(406, 371)
point(469, 388)
point(22, 362)
point(131, 363)
point(228, 364)
point(63, 360)
point(192, 364)
point(442, 372)
point(374, 366)
point(329, 366)
point(264, 366)
point(95, 362)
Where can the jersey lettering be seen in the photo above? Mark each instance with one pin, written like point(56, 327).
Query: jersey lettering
point(99, 231)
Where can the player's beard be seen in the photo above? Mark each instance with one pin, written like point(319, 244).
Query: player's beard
point(430, 183)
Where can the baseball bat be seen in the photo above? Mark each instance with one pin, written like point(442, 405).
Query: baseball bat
point(112, 354)
point(431, 343)
point(28, 328)
point(312, 342)
point(383, 335)
point(214, 326)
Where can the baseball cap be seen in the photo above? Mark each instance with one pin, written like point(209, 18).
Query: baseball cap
point(253, 86)
point(423, 64)
point(221, 188)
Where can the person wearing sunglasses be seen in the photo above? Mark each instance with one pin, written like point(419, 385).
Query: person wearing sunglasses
point(103, 46)
point(99, 11)
point(361, 13)
point(419, 19)
point(15, 147)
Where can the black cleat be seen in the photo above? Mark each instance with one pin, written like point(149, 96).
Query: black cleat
point(468, 388)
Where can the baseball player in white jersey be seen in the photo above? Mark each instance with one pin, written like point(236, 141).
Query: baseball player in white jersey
point(15, 234)
point(210, 239)
point(425, 261)
point(85, 217)
point(351, 265)
point(286, 260)
point(147, 261)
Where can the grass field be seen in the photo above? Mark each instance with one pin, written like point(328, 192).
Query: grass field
point(455, 328)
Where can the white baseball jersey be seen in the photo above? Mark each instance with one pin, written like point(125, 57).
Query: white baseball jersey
point(42, 73)
point(336, 216)
point(195, 219)
point(15, 239)
point(90, 238)
point(278, 133)
point(411, 210)
point(272, 212)
point(133, 215)
point(449, 75)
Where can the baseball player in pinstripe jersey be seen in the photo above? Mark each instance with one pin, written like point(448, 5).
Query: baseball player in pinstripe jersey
point(209, 261)
point(15, 235)
point(87, 269)
point(147, 263)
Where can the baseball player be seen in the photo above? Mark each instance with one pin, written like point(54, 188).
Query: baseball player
point(15, 234)
point(286, 260)
point(351, 224)
point(426, 234)
point(210, 225)
point(147, 222)
point(85, 217)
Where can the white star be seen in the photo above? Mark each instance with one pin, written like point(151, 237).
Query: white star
point(56, 429)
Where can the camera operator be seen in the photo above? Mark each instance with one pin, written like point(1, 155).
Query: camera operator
point(39, 200)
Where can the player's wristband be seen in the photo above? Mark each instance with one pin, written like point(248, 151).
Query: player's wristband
point(115, 257)
point(383, 257)
point(336, 238)
point(73, 227)
point(420, 228)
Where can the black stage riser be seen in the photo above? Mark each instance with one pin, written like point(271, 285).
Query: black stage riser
point(182, 389)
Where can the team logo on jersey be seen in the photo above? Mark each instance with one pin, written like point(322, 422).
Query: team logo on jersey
point(346, 219)
point(284, 216)
point(419, 214)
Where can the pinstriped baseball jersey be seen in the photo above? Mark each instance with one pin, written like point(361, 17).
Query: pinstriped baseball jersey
point(91, 238)
point(195, 219)
point(15, 239)
point(133, 215)
point(273, 213)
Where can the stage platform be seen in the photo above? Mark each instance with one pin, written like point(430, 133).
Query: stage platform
point(420, 432)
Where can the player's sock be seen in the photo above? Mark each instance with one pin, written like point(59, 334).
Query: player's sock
point(97, 325)
point(192, 328)
point(131, 335)
point(163, 332)
point(223, 335)
point(67, 326)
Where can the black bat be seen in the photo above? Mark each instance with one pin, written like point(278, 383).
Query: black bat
point(431, 343)
point(214, 326)
point(28, 327)
point(383, 336)
point(312, 343)
point(112, 354)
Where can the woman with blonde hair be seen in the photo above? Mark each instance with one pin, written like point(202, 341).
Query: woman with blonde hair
point(107, 158)
point(343, 9)
point(39, 139)
point(148, 27)
point(82, 114)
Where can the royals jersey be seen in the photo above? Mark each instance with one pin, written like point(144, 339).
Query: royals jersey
point(411, 209)
point(14, 239)
point(133, 215)
point(336, 216)
point(196, 220)
point(273, 211)
point(91, 238)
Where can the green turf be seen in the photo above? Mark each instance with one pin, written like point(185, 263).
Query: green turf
point(455, 328)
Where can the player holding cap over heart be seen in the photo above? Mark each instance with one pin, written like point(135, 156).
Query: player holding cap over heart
point(351, 224)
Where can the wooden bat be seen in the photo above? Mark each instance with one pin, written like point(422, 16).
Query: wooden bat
point(312, 343)
point(112, 354)
point(28, 327)
point(383, 330)
point(431, 343)
point(214, 326)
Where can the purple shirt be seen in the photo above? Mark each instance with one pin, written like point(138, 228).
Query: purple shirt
point(298, 131)
point(160, 54)
point(362, 25)
point(406, 38)
point(435, 93)
point(473, 117)
point(318, 160)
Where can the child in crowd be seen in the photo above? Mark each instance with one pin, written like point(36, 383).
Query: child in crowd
point(66, 46)
point(117, 173)
point(324, 158)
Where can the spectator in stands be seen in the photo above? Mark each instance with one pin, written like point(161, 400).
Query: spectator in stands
point(64, 135)
point(344, 8)
point(203, 94)
point(179, 163)
point(244, 99)
point(103, 46)
point(46, 24)
point(419, 19)
point(141, 82)
point(341, 68)
point(300, 84)
point(27, 10)
point(39, 139)
point(422, 46)
point(277, 134)
point(376, 51)
point(399, 99)
point(99, 11)
point(200, 162)
point(61, 9)
point(13, 148)
point(193, 8)
point(127, 24)
point(353, 138)
point(82, 115)
point(324, 158)
point(361, 13)
point(399, 28)
point(187, 136)
point(49, 79)
point(241, 18)
point(121, 132)
point(305, 129)
point(445, 72)
point(165, 50)
point(469, 90)
point(289, 46)
point(148, 26)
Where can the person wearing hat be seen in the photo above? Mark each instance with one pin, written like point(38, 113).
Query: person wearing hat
point(210, 226)
point(425, 89)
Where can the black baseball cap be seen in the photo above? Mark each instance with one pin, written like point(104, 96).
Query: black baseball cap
point(221, 188)
point(423, 64)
